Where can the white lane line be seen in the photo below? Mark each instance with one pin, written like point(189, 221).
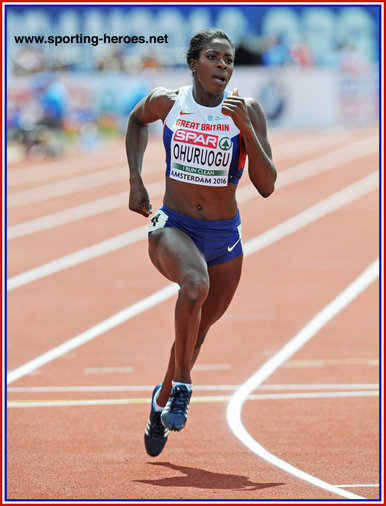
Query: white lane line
point(305, 145)
point(91, 161)
point(207, 398)
point(287, 227)
point(291, 175)
point(359, 485)
point(316, 395)
point(66, 216)
point(331, 361)
point(318, 322)
point(345, 196)
point(109, 370)
point(57, 168)
point(61, 188)
point(95, 331)
point(314, 212)
point(77, 213)
point(77, 165)
point(316, 166)
point(211, 367)
point(80, 256)
point(149, 388)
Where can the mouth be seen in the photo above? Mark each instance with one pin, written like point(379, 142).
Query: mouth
point(219, 79)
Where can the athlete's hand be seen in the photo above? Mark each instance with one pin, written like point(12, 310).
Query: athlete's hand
point(235, 107)
point(139, 201)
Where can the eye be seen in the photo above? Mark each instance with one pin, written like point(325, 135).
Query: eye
point(211, 56)
point(229, 61)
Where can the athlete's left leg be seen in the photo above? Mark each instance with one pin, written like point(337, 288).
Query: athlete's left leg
point(223, 282)
point(224, 279)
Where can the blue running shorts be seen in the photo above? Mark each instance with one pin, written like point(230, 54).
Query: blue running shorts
point(219, 240)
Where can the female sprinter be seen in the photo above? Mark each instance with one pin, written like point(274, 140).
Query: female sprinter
point(194, 238)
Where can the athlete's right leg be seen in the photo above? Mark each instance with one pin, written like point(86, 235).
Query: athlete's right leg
point(176, 256)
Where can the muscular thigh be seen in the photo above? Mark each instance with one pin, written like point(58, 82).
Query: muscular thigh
point(175, 255)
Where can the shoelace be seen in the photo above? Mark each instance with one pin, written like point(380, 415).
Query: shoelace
point(179, 401)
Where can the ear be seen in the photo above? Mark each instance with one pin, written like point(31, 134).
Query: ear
point(193, 65)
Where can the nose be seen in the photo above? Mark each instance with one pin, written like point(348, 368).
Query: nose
point(221, 64)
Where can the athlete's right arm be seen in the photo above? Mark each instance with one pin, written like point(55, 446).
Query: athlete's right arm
point(151, 108)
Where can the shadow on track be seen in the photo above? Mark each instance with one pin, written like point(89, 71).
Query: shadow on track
point(200, 478)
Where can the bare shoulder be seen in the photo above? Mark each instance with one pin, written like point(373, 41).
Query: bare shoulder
point(162, 96)
point(160, 101)
point(156, 105)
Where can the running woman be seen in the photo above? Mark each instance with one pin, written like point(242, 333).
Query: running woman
point(195, 236)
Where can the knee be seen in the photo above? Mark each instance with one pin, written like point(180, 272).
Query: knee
point(195, 287)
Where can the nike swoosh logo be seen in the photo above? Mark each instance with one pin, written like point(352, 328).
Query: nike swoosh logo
point(230, 248)
point(186, 112)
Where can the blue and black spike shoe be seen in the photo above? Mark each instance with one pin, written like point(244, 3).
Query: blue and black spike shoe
point(156, 434)
point(175, 414)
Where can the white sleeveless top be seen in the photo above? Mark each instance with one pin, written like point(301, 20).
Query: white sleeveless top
point(203, 146)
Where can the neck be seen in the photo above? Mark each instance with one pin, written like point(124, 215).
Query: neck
point(204, 97)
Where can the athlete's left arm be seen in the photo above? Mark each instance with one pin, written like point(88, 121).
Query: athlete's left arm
point(250, 120)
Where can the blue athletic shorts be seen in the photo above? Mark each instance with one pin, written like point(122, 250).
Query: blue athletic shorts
point(219, 240)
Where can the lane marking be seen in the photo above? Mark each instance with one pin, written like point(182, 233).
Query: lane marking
point(306, 217)
point(198, 399)
point(326, 139)
point(359, 486)
point(322, 208)
point(149, 388)
point(57, 168)
point(67, 216)
point(78, 213)
point(314, 212)
point(66, 187)
point(211, 367)
point(299, 172)
point(240, 396)
point(108, 370)
point(331, 361)
point(80, 256)
point(95, 331)
point(316, 166)
point(76, 164)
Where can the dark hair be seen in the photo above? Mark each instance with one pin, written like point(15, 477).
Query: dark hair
point(201, 39)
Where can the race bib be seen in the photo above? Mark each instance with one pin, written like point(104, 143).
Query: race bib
point(158, 220)
point(199, 157)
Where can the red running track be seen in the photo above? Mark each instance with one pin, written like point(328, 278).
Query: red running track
point(76, 417)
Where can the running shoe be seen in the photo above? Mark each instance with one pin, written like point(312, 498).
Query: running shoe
point(175, 414)
point(156, 434)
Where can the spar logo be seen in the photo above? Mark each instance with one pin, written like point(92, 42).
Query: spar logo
point(225, 143)
point(196, 138)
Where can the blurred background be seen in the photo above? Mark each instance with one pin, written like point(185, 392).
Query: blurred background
point(309, 66)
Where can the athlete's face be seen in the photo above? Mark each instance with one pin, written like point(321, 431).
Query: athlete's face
point(214, 67)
